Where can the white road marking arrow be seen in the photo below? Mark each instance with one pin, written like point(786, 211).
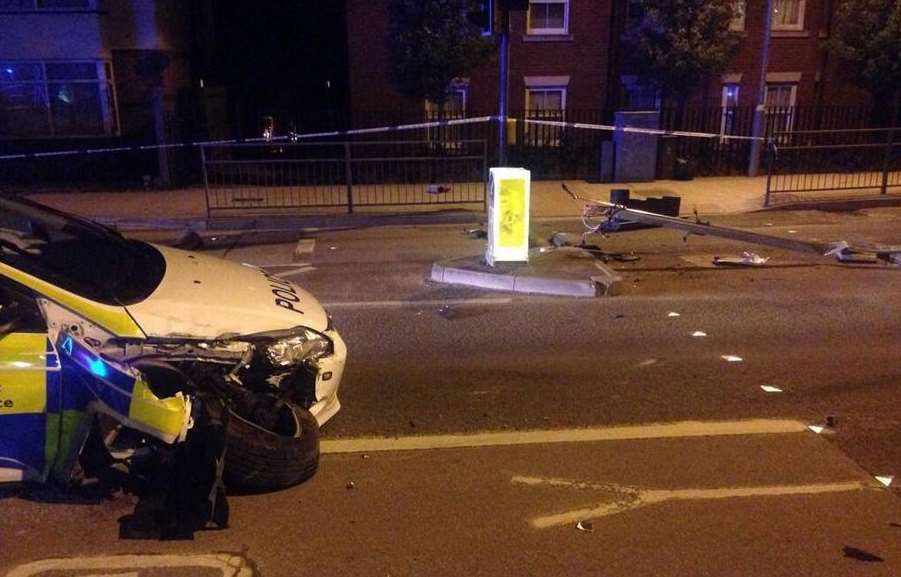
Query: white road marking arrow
point(625, 498)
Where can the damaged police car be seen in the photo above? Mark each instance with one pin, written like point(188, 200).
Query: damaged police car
point(223, 364)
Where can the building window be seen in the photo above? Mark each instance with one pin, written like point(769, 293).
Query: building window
point(548, 17)
point(50, 5)
point(788, 15)
point(738, 15)
point(780, 106)
point(454, 108)
point(56, 99)
point(545, 103)
point(729, 104)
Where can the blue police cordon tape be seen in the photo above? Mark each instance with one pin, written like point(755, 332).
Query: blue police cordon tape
point(293, 137)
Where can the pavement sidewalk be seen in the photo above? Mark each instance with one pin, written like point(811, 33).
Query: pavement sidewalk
point(183, 208)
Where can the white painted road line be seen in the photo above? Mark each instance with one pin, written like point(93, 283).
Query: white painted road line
point(626, 433)
point(415, 304)
point(224, 564)
point(629, 498)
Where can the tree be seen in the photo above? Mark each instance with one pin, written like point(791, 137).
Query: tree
point(676, 45)
point(867, 39)
point(431, 43)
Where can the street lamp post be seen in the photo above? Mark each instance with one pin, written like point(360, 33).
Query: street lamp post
point(759, 109)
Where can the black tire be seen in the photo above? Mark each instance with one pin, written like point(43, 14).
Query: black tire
point(260, 460)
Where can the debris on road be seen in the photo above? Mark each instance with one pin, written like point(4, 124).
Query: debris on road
point(476, 233)
point(447, 312)
point(861, 555)
point(816, 429)
point(585, 526)
point(885, 480)
point(732, 358)
point(770, 389)
point(350, 486)
point(699, 334)
point(746, 259)
point(673, 315)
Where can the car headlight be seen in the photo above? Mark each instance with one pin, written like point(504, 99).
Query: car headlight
point(308, 344)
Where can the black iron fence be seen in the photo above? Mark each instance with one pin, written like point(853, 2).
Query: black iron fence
point(724, 156)
point(823, 162)
point(310, 175)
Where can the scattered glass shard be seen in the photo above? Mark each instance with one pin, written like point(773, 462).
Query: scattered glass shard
point(770, 389)
point(732, 358)
point(585, 526)
point(886, 480)
point(674, 315)
point(699, 334)
point(816, 429)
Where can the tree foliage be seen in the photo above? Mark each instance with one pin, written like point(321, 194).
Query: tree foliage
point(432, 42)
point(676, 44)
point(867, 38)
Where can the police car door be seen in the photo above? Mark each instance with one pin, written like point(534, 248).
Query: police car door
point(30, 400)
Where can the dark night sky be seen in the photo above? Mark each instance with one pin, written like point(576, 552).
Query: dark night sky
point(276, 56)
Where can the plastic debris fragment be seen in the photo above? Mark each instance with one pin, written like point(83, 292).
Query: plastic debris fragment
point(770, 389)
point(816, 429)
point(674, 315)
point(732, 358)
point(886, 480)
point(699, 334)
point(585, 526)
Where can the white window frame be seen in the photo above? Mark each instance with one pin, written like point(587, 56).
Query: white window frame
point(788, 118)
point(548, 31)
point(740, 7)
point(797, 26)
point(34, 6)
point(728, 112)
point(541, 135)
point(106, 97)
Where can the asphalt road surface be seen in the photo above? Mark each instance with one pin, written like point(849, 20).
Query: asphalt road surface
point(660, 432)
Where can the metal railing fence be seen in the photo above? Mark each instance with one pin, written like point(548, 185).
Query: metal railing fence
point(310, 175)
point(808, 162)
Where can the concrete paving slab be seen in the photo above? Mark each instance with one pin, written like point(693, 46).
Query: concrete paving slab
point(567, 271)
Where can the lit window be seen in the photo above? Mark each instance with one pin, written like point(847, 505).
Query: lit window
point(548, 17)
point(729, 105)
point(39, 99)
point(50, 5)
point(738, 15)
point(788, 15)
point(545, 103)
point(780, 106)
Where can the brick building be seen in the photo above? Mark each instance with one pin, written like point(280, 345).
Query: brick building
point(559, 59)
point(564, 56)
point(89, 68)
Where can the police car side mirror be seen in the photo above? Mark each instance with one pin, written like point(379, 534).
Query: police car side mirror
point(10, 317)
